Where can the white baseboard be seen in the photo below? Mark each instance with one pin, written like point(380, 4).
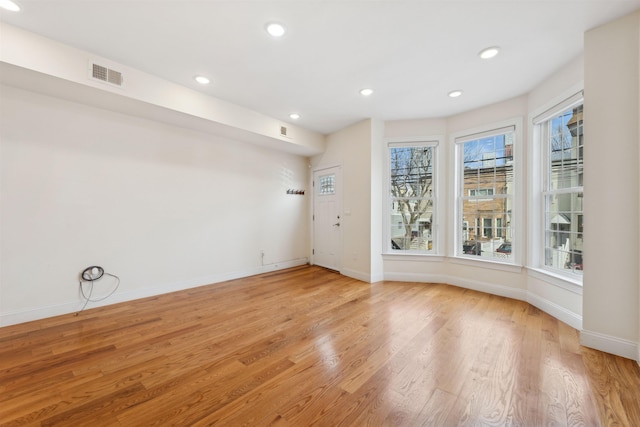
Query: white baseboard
point(609, 344)
point(22, 316)
point(549, 307)
point(490, 288)
point(415, 277)
point(364, 277)
point(567, 316)
point(475, 285)
point(376, 278)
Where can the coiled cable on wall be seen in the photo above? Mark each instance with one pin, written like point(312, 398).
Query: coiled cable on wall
point(90, 275)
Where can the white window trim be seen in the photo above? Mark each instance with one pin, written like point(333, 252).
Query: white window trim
point(536, 168)
point(568, 282)
point(456, 139)
point(437, 230)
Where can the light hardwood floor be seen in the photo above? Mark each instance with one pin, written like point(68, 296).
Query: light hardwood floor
point(307, 347)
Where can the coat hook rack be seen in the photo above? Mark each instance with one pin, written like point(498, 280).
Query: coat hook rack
point(296, 192)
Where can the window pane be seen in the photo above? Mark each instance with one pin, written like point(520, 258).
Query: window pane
point(563, 235)
point(488, 228)
point(566, 150)
point(563, 214)
point(411, 187)
point(327, 184)
point(411, 225)
point(486, 197)
point(411, 171)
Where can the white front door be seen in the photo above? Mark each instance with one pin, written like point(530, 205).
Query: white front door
point(327, 218)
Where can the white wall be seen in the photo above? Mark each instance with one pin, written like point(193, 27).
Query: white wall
point(419, 128)
point(161, 206)
point(558, 297)
point(611, 281)
point(377, 200)
point(498, 112)
point(351, 148)
point(553, 89)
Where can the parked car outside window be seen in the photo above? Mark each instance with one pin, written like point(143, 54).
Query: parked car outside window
point(504, 248)
point(471, 247)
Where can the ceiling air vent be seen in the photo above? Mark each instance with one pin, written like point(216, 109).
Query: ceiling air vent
point(283, 131)
point(107, 75)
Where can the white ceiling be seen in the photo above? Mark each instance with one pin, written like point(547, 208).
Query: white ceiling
point(411, 53)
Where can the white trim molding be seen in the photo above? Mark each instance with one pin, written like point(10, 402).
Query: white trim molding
point(611, 344)
point(561, 313)
point(416, 277)
point(489, 288)
point(362, 276)
point(476, 285)
point(559, 281)
point(551, 308)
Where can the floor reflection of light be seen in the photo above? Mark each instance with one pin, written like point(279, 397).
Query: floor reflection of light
point(330, 358)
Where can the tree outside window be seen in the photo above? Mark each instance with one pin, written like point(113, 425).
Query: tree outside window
point(412, 198)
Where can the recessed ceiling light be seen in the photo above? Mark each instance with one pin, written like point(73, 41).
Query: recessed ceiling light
point(366, 92)
point(202, 80)
point(489, 52)
point(294, 116)
point(275, 29)
point(9, 5)
point(455, 93)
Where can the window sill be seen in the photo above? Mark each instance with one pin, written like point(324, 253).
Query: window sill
point(420, 257)
point(572, 284)
point(485, 263)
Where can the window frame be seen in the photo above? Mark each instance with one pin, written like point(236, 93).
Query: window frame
point(540, 189)
point(437, 235)
point(457, 140)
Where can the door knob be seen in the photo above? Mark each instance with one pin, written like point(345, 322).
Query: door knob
point(337, 223)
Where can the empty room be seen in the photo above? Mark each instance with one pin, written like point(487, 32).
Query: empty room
point(319, 213)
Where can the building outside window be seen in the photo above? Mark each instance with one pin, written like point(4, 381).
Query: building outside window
point(563, 140)
point(412, 198)
point(485, 193)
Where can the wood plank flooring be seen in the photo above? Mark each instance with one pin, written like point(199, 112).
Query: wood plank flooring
point(309, 347)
